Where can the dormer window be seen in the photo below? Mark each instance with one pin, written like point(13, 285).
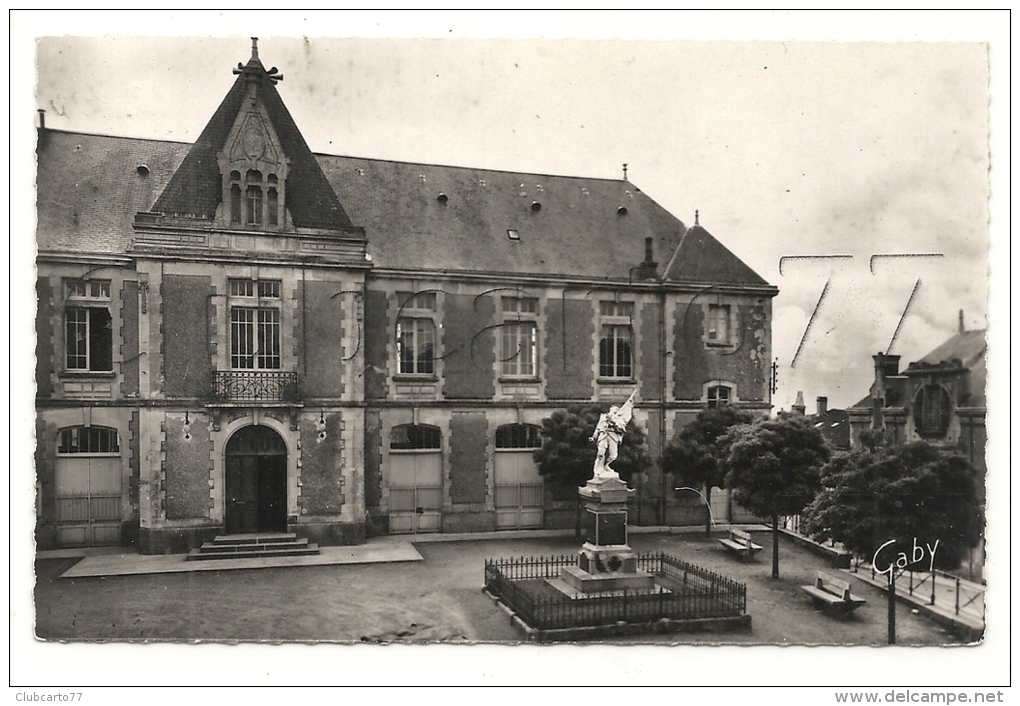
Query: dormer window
point(272, 201)
point(255, 198)
point(235, 196)
point(253, 212)
point(254, 171)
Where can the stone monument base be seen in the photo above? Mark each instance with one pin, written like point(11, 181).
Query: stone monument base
point(606, 563)
point(586, 582)
point(598, 559)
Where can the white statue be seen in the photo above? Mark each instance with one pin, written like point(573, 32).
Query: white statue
point(608, 434)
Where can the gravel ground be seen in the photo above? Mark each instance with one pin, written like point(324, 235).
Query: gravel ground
point(437, 600)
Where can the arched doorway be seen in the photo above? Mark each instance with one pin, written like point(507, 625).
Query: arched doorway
point(416, 479)
point(256, 483)
point(88, 487)
point(520, 491)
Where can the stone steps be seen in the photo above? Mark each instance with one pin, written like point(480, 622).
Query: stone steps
point(247, 546)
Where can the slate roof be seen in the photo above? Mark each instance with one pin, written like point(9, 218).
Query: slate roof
point(834, 425)
point(969, 348)
point(89, 189)
point(196, 188)
point(442, 218)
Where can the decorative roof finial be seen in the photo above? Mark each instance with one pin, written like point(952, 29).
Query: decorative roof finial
point(696, 217)
point(254, 71)
point(625, 171)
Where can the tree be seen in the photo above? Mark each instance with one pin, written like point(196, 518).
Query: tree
point(567, 455)
point(774, 469)
point(694, 456)
point(916, 490)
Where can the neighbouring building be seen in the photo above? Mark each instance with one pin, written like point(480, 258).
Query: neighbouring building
point(834, 424)
point(939, 398)
point(240, 335)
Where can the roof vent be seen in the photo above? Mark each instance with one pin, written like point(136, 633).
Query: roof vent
point(143, 171)
point(622, 210)
point(442, 198)
point(536, 206)
point(513, 234)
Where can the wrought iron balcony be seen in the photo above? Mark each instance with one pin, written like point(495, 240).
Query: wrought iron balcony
point(255, 386)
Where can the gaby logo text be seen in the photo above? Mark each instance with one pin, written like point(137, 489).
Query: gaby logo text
point(896, 555)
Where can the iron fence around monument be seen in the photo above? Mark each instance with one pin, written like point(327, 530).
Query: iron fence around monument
point(683, 591)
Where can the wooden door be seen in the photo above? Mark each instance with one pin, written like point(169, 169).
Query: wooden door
point(416, 492)
point(242, 495)
point(256, 482)
point(519, 491)
point(88, 500)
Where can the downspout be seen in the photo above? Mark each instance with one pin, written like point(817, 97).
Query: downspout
point(304, 330)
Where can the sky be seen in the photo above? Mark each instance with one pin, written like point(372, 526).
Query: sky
point(785, 148)
point(852, 134)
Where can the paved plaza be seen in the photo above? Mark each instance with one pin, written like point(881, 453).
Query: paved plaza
point(423, 589)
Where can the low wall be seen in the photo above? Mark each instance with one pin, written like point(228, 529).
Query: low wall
point(837, 558)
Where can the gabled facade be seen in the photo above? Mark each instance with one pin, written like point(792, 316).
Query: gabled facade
point(239, 335)
point(939, 398)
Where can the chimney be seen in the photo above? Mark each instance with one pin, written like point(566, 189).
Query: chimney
point(798, 406)
point(886, 365)
point(649, 268)
point(42, 126)
point(823, 406)
point(961, 321)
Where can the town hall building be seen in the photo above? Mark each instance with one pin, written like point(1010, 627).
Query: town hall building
point(242, 336)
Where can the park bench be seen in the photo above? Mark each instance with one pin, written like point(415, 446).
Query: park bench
point(739, 542)
point(833, 595)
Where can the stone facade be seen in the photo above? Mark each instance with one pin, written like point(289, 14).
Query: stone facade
point(244, 334)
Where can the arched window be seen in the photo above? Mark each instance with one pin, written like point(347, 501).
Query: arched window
point(518, 436)
point(719, 395)
point(932, 411)
point(415, 437)
point(272, 206)
point(235, 196)
point(235, 203)
point(272, 201)
point(253, 201)
point(88, 440)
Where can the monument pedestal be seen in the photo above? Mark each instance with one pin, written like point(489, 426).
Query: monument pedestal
point(606, 562)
